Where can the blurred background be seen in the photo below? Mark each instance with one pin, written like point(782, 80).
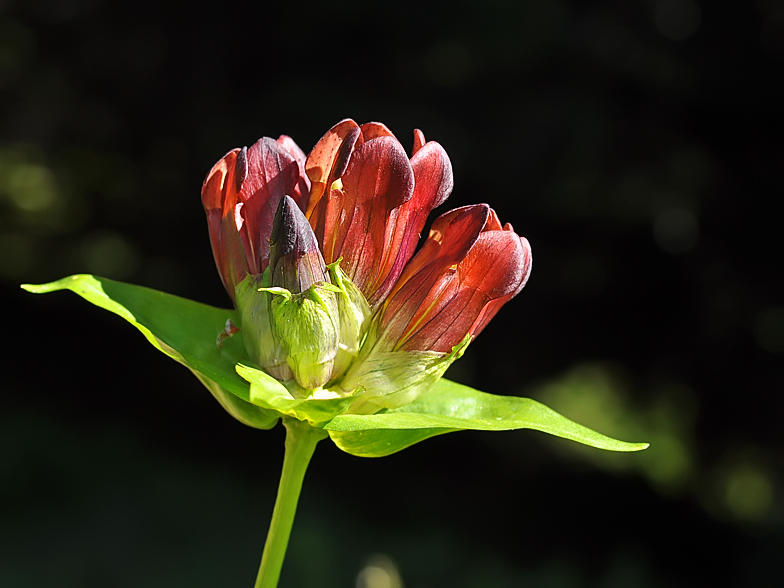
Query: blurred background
point(638, 146)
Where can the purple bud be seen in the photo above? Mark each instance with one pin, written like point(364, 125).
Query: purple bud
point(295, 260)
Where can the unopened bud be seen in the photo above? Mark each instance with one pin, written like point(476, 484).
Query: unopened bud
point(306, 325)
point(295, 260)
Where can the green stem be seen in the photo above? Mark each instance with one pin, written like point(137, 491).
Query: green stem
point(301, 441)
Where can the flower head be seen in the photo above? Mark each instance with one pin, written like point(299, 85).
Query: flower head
point(319, 255)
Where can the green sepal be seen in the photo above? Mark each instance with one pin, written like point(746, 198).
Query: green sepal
point(353, 314)
point(396, 378)
point(270, 394)
point(448, 407)
point(184, 330)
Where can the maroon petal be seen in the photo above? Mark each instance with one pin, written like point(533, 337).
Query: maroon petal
point(433, 182)
point(219, 197)
point(359, 221)
point(488, 276)
point(271, 174)
point(423, 281)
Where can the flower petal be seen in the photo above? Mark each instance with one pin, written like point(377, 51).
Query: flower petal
point(433, 182)
point(219, 198)
point(466, 270)
point(373, 130)
point(419, 141)
point(271, 174)
point(491, 273)
point(426, 276)
point(377, 181)
point(240, 196)
point(328, 160)
point(490, 310)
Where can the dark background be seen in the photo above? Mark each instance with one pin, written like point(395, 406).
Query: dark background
point(638, 146)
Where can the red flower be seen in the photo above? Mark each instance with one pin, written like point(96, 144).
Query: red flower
point(241, 194)
point(403, 318)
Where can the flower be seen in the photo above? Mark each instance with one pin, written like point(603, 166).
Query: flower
point(318, 255)
point(345, 330)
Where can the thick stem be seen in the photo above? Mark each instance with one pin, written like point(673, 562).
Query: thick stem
point(301, 441)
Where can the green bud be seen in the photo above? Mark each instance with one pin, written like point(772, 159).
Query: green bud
point(306, 327)
point(254, 305)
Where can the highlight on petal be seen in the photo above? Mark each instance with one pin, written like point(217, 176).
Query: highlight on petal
point(219, 198)
point(328, 160)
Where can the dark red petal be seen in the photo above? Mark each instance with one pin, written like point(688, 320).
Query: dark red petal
point(419, 141)
point(328, 160)
point(490, 310)
point(378, 180)
point(433, 175)
point(433, 183)
point(423, 281)
point(490, 274)
point(215, 187)
point(219, 198)
point(271, 174)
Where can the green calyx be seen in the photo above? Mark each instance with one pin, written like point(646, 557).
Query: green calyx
point(254, 305)
point(307, 327)
point(396, 378)
point(354, 313)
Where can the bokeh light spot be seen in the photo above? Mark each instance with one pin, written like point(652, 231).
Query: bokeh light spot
point(31, 188)
point(380, 572)
point(748, 493)
point(110, 254)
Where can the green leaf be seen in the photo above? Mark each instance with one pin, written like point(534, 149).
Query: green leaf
point(448, 407)
point(269, 393)
point(183, 329)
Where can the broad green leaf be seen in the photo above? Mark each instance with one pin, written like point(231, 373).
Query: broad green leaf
point(184, 330)
point(269, 393)
point(449, 406)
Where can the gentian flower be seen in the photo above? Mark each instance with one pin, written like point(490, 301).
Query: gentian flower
point(341, 329)
point(318, 254)
point(339, 323)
